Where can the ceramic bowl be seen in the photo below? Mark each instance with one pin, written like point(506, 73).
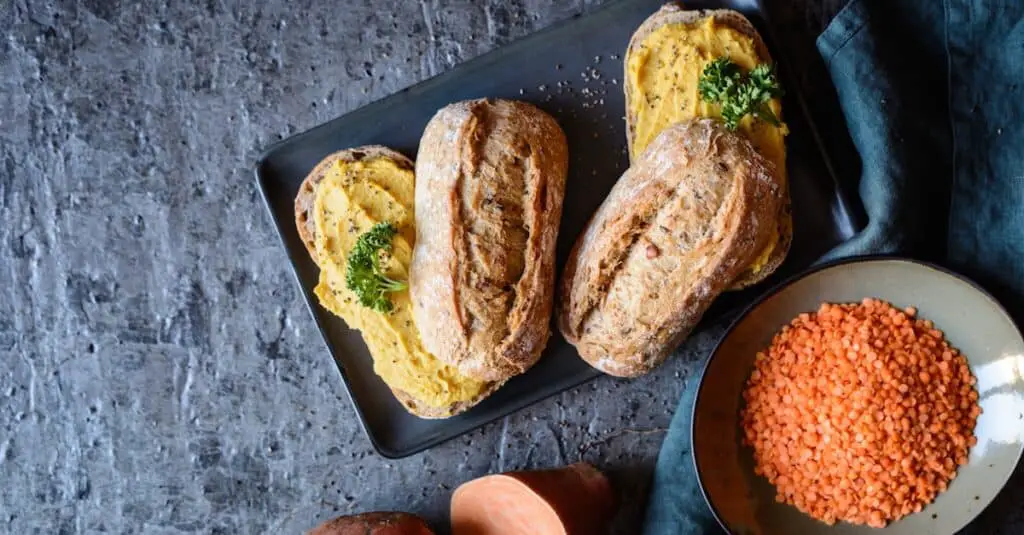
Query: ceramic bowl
point(972, 320)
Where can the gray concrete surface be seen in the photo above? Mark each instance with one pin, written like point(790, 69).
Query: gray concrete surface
point(159, 374)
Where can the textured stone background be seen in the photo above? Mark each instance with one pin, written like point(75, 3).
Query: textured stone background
point(159, 374)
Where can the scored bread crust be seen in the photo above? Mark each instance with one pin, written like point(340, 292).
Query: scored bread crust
point(304, 223)
point(490, 180)
point(675, 13)
point(673, 233)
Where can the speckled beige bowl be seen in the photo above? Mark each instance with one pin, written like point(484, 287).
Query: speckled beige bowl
point(973, 322)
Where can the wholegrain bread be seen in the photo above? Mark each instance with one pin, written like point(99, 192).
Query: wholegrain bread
point(490, 183)
point(678, 227)
point(674, 13)
point(306, 227)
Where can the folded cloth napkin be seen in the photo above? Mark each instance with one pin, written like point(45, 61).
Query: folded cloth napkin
point(933, 96)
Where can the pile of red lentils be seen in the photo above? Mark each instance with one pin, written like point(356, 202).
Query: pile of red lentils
point(860, 413)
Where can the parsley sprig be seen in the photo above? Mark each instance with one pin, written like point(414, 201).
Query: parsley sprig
point(739, 95)
point(364, 275)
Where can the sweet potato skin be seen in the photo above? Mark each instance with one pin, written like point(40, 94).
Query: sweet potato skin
point(572, 500)
point(376, 523)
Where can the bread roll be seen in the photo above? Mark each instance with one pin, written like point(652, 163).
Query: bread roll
point(688, 217)
point(423, 373)
point(490, 182)
point(672, 47)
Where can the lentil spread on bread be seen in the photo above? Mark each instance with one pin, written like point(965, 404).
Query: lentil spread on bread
point(305, 216)
point(693, 54)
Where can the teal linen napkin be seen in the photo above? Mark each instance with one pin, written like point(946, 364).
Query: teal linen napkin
point(933, 99)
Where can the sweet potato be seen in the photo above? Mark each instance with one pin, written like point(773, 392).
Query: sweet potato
point(378, 523)
point(575, 500)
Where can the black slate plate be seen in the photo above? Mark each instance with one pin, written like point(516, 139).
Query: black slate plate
point(590, 110)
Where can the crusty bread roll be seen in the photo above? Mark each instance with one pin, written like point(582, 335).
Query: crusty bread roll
point(304, 222)
point(490, 178)
point(673, 13)
point(688, 217)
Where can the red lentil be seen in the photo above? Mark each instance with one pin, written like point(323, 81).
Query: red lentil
point(859, 413)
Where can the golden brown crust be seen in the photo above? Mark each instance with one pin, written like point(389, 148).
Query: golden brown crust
point(675, 13)
point(306, 196)
point(307, 232)
point(673, 233)
point(489, 189)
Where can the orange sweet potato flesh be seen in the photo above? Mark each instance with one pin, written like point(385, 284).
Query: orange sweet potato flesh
point(575, 500)
point(379, 523)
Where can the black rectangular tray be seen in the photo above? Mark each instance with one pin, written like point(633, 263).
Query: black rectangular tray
point(572, 70)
